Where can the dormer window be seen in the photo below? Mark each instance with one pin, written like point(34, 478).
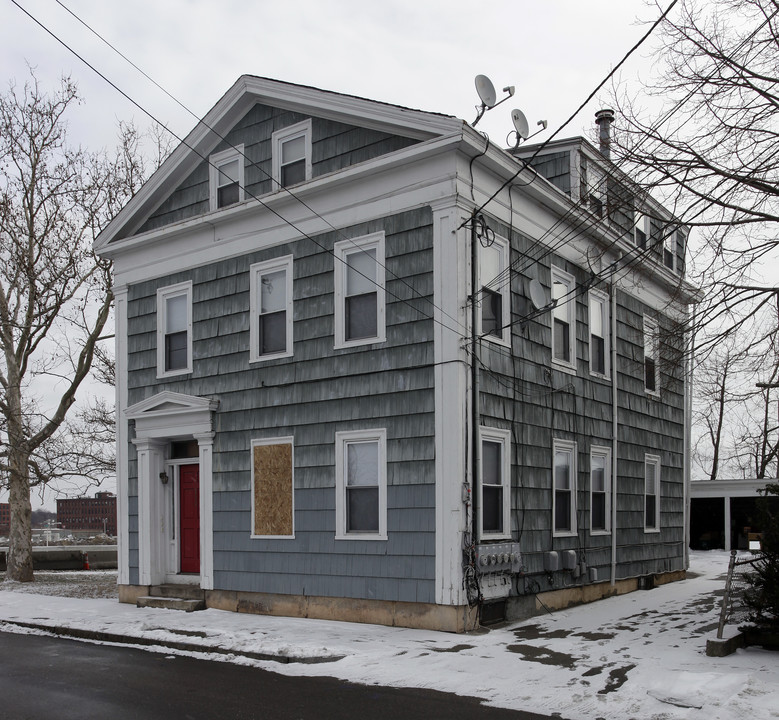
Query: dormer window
point(292, 154)
point(226, 174)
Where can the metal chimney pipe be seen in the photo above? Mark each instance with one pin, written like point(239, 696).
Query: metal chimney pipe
point(604, 118)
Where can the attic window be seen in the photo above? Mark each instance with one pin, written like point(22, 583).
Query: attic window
point(226, 177)
point(292, 154)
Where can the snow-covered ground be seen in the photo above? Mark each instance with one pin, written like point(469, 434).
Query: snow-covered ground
point(641, 655)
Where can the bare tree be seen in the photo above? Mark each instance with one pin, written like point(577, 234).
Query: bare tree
point(707, 142)
point(55, 295)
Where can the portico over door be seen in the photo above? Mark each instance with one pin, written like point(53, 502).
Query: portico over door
point(159, 420)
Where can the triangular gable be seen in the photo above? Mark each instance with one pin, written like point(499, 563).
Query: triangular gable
point(236, 102)
point(169, 403)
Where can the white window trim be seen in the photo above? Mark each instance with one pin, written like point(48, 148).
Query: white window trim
point(256, 271)
point(220, 158)
point(504, 290)
point(504, 438)
point(287, 440)
point(341, 250)
point(301, 129)
point(605, 453)
point(570, 446)
point(342, 440)
point(652, 460)
point(651, 332)
point(163, 295)
point(603, 299)
point(570, 282)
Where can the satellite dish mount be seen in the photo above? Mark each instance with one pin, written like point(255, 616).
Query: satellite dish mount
point(488, 96)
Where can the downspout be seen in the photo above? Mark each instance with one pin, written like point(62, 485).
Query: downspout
point(475, 414)
point(614, 431)
point(688, 439)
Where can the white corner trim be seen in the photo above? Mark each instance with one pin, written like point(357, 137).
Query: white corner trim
point(122, 435)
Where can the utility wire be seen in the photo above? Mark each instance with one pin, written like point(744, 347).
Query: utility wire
point(260, 201)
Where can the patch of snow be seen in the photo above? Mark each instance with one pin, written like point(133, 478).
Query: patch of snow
point(639, 655)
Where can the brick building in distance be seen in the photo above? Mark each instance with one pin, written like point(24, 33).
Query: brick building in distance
point(5, 518)
point(86, 513)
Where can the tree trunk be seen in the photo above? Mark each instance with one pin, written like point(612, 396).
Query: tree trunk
point(20, 545)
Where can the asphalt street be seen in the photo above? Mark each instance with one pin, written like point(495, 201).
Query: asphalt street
point(46, 677)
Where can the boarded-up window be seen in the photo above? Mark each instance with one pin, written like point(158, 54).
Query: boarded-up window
point(272, 488)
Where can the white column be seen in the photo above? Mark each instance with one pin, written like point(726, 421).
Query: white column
point(151, 511)
point(727, 523)
point(205, 443)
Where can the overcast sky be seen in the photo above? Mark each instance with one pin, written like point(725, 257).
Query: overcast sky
point(421, 54)
point(417, 53)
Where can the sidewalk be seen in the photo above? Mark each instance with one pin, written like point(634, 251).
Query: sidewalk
point(640, 655)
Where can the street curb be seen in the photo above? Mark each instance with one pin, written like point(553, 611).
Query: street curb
point(101, 636)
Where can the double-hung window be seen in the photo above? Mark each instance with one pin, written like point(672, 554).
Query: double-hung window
point(651, 345)
point(361, 484)
point(291, 162)
point(651, 493)
point(599, 333)
point(226, 177)
point(495, 486)
point(563, 318)
point(359, 291)
point(564, 492)
point(270, 300)
point(495, 290)
point(600, 489)
point(174, 330)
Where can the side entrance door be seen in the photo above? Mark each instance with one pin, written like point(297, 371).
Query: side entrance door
point(189, 504)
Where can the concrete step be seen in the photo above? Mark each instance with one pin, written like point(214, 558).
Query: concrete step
point(171, 603)
point(171, 590)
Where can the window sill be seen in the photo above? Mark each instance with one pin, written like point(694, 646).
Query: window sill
point(272, 537)
point(360, 536)
point(489, 537)
point(563, 367)
point(266, 358)
point(600, 533)
point(651, 531)
point(565, 534)
point(161, 375)
point(652, 393)
point(496, 340)
point(359, 343)
point(600, 376)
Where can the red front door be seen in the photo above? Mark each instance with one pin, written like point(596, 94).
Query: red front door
point(189, 504)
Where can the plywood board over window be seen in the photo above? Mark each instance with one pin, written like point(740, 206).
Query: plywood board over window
point(272, 488)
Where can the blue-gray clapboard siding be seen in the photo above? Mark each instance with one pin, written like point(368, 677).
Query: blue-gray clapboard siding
point(334, 146)
point(522, 391)
point(311, 396)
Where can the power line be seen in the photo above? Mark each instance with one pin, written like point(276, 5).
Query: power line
point(259, 200)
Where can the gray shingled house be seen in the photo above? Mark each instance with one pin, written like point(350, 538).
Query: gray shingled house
point(318, 416)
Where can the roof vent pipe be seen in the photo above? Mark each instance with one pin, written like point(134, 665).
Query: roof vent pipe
point(604, 118)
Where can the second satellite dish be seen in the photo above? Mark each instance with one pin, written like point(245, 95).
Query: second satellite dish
point(520, 124)
point(486, 91)
point(537, 293)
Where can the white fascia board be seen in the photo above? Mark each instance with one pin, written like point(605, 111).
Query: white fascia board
point(343, 199)
point(234, 104)
point(726, 488)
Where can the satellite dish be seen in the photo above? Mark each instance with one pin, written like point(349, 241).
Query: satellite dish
point(486, 91)
point(537, 293)
point(520, 124)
